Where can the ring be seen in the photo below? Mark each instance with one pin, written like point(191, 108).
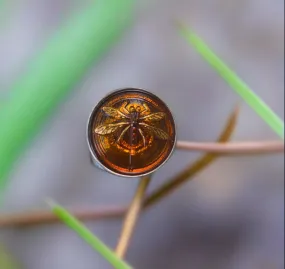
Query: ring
point(131, 133)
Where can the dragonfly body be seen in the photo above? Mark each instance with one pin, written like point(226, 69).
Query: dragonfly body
point(137, 120)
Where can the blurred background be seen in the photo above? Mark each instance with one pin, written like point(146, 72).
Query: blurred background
point(232, 214)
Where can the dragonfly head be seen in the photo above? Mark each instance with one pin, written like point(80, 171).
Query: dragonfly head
point(135, 111)
point(132, 109)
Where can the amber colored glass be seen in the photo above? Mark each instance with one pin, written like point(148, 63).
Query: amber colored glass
point(131, 132)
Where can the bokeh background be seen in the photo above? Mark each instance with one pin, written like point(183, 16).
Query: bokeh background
point(232, 214)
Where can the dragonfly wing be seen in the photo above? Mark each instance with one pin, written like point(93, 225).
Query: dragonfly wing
point(159, 133)
point(123, 133)
point(143, 137)
point(113, 112)
point(109, 128)
point(154, 116)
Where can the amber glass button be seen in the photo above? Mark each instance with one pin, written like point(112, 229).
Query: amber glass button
point(131, 132)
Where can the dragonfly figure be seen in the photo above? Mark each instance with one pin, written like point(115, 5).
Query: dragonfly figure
point(133, 119)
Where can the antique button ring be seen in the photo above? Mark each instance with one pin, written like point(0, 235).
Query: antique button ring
point(131, 133)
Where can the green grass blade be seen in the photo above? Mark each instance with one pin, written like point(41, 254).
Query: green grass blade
point(234, 81)
point(7, 261)
point(55, 71)
point(90, 238)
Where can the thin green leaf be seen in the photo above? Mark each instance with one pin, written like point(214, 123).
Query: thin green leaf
point(234, 81)
point(55, 71)
point(86, 235)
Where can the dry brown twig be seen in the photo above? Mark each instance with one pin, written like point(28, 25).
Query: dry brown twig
point(132, 216)
point(222, 147)
point(193, 169)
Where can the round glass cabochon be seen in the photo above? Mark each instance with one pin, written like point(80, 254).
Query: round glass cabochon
point(131, 132)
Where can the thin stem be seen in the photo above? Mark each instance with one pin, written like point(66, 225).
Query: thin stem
point(47, 217)
point(132, 217)
point(235, 148)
